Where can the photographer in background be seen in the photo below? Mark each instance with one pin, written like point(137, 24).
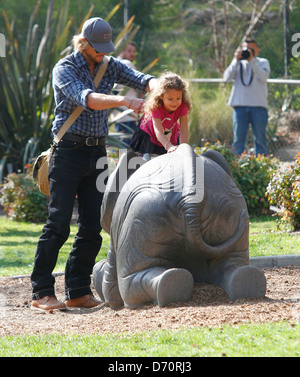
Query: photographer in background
point(249, 96)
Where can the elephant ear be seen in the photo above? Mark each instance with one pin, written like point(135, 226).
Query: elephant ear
point(219, 159)
point(127, 165)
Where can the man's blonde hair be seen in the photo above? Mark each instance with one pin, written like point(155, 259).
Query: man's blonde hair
point(80, 44)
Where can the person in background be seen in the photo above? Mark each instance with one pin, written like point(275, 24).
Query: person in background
point(73, 167)
point(129, 54)
point(249, 96)
point(128, 123)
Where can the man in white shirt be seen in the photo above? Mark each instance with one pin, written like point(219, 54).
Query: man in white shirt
point(249, 96)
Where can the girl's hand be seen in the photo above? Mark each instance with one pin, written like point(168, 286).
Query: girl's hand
point(172, 148)
point(169, 147)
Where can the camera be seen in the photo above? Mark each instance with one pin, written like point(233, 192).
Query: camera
point(246, 53)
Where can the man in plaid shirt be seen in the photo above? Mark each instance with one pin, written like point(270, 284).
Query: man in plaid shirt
point(72, 169)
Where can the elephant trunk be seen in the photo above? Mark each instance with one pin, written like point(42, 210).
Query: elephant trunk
point(194, 238)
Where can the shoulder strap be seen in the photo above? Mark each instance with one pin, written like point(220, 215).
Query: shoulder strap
point(75, 114)
point(101, 70)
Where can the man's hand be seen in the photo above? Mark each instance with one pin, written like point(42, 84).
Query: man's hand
point(135, 104)
point(238, 53)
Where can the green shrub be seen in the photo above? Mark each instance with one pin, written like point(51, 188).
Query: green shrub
point(252, 175)
point(283, 192)
point(224, 149)
point(22, 199)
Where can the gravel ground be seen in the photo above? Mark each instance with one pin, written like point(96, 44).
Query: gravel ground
point(209, 306)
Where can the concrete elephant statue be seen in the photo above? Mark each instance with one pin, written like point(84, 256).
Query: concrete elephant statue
point(173, 221)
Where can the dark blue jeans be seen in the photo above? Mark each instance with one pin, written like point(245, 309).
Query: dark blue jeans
point(258, 118)
point(72, 172)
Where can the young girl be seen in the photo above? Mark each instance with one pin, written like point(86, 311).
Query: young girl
point(159, 131)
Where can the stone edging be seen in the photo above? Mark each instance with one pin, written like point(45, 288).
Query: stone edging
point(275, 261)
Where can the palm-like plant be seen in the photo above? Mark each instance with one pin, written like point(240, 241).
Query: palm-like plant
point(26, 97)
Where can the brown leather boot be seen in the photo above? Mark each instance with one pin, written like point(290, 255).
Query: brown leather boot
point(87, 301)
point(48, 303)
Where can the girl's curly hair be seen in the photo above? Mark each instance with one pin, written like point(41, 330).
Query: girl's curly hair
point(168, 80)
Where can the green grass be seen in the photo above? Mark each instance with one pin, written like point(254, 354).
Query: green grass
point(280, 339)
point(265, 239)
point(18, 244)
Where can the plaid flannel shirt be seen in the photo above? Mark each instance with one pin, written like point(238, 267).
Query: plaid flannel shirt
point(72, 83)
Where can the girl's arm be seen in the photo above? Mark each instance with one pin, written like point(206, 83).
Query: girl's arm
point(184, 131)
point(159, 133)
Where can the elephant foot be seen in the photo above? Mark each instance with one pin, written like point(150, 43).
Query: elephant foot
point(175, 284)
point(246, 281)
point(106, 285)
point(98, 274)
